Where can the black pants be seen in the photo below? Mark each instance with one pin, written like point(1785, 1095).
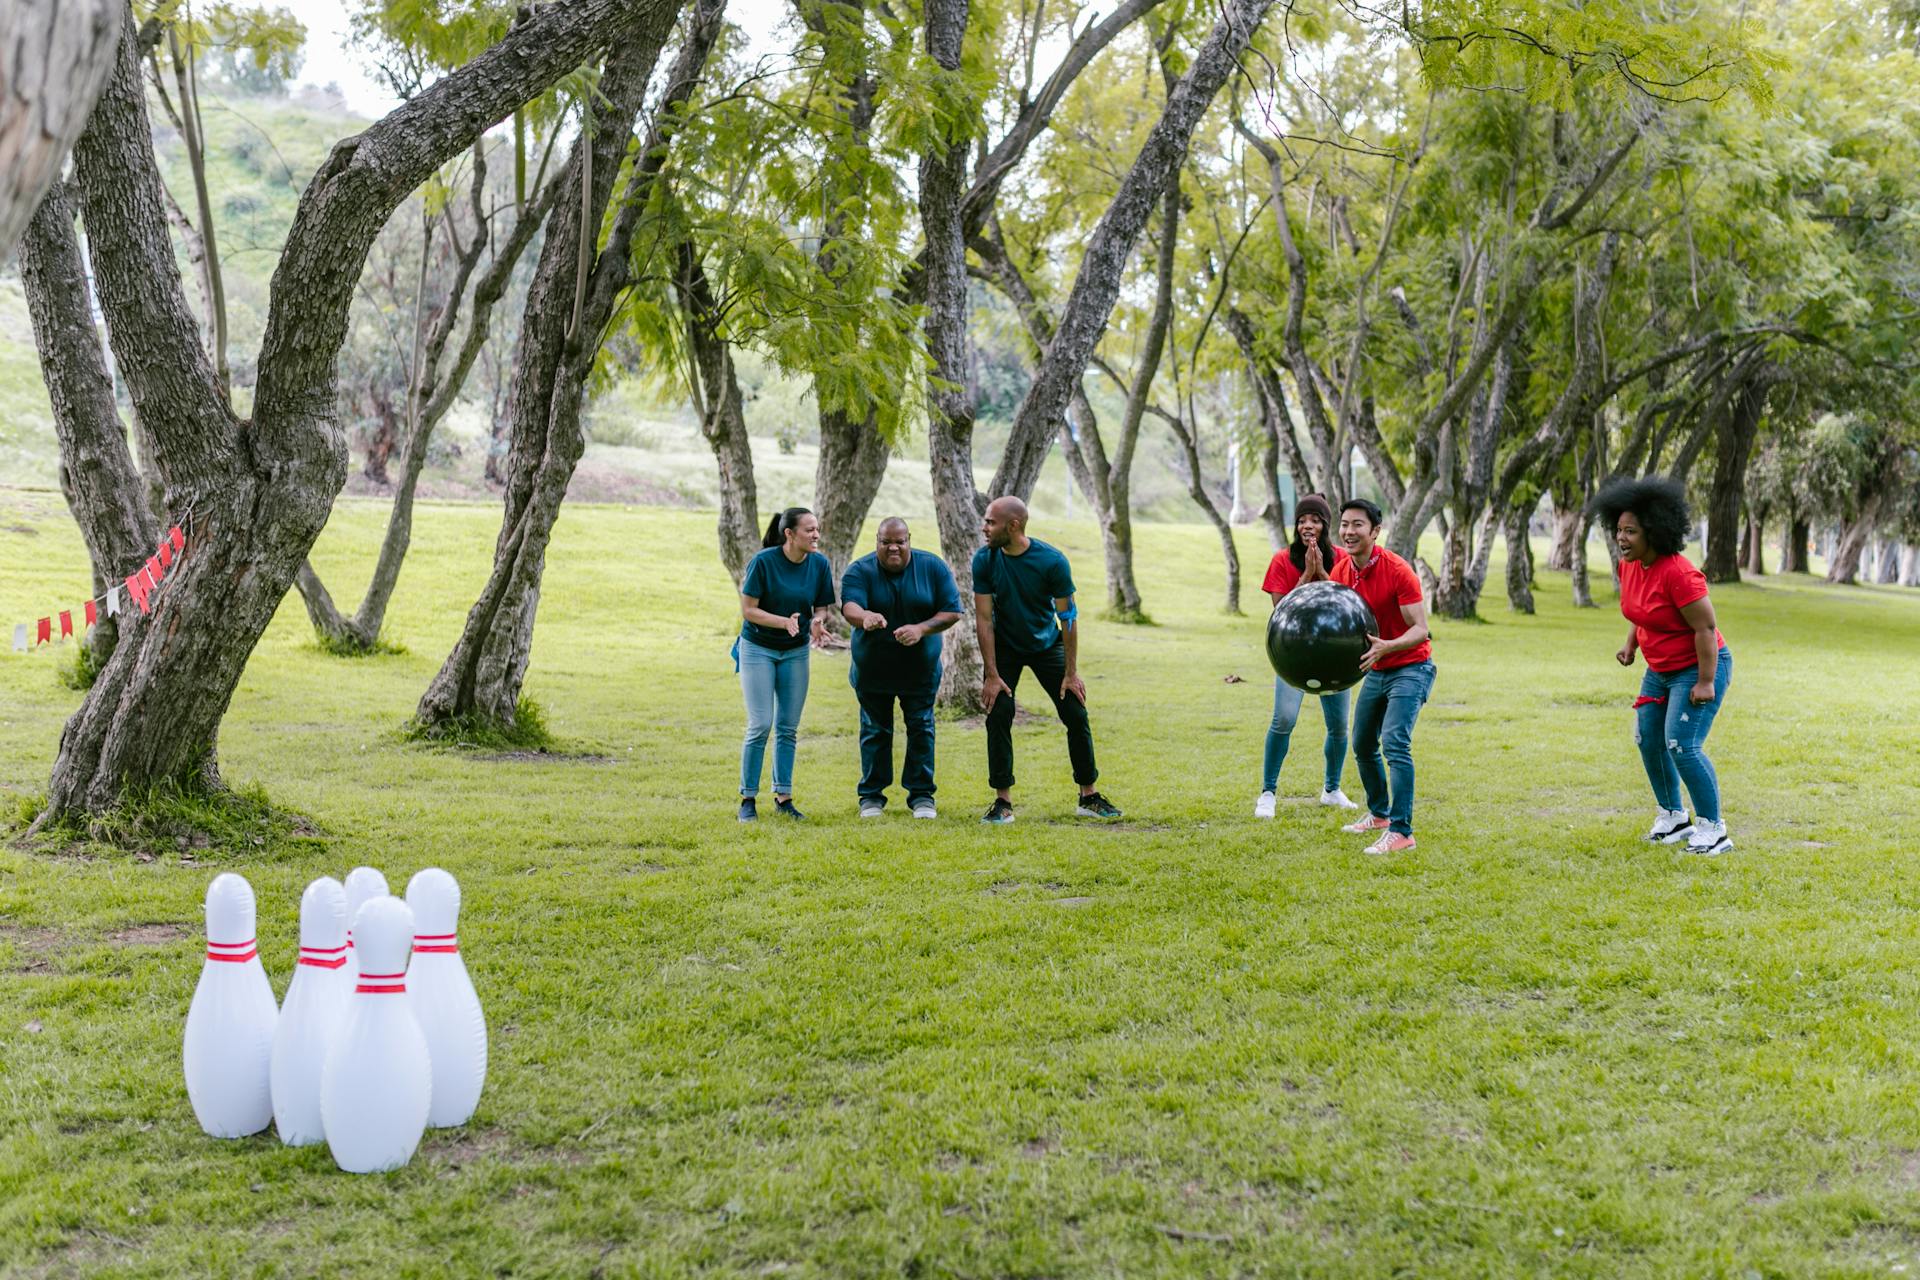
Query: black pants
point(1049, 668)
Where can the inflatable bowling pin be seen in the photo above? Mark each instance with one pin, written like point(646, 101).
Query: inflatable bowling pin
point(315, 1008)
point(363, 885)
point(444, 1000)
point(230, 1024)
point(377, 1083)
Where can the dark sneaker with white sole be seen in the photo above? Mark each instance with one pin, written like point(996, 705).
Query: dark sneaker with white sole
point(1096, 806)
point(749, 812)
point(1000, 815)
point(786, 810)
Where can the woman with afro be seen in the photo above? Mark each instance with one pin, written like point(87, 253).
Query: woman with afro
point(1688, 666)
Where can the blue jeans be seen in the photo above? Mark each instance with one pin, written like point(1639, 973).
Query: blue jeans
point(775, 684)
point(1672, 736)
point(1384, 714)
point(1286, 711)
point(876, 744)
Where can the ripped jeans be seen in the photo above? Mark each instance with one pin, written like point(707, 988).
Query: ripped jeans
point(1672, 735)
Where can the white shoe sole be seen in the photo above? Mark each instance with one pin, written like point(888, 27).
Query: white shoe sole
point(1676, 836)
point(1723, 845)
point(873, 813)
point(924, 813)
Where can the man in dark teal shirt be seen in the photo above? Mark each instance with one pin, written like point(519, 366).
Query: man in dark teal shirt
point(897, 601)
point(1025, 618)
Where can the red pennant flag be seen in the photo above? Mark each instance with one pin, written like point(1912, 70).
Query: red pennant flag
point(166, 554)
point(66, 623)
point(43, 631)
point(154, 571)
point(178, 539)
point(137, 590)
point(92, 615)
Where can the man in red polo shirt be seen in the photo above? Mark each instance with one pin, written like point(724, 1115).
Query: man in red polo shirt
point(1399, 666)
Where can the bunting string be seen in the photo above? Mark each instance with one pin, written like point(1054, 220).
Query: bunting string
point(137, 591)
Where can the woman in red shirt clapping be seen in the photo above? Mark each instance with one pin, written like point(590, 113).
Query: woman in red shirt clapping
point(1688, 665)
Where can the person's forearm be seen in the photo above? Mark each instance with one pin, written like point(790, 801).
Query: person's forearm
point(761, 618)
point(1072, 631)
point(983, 631)
point(1411, 638)
point(853, 613)
point(939, 622)
point(1706, 650)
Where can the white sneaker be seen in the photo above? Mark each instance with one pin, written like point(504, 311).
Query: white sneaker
point(1670, 826)
point(1709, 839)
point(872, 808)
point(1263, 807)
point(923, 808)
point(1337, 799)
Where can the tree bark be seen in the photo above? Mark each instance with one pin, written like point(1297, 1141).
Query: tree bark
point(1738, 429)
point(1756, 543)
point(1520, 560)
point(1889, 562)
point(103, 489)
point(723, 422)
point(943, 184)
point(569, 305)
point(1794, 538)
point(260, 492)
point(1843, 566)
point(1197, 490)
point(1096, 285)
point(55, 57)
point(1910, 567)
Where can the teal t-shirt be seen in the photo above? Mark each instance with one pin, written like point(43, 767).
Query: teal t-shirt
point(1024, 588)
point(785, 588)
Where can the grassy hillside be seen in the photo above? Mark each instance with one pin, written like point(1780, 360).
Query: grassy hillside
point(1190, 1044)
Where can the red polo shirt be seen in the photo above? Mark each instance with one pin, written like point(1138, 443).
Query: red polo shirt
point(1385, 584)
point(1282, 577)
point(1651, 597)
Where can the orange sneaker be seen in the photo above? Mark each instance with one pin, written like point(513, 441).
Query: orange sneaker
point(1392, 842)
point(1366, 824)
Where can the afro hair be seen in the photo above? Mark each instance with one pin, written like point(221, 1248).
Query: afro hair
point(1658, 503)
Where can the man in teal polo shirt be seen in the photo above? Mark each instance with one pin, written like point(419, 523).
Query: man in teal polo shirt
point(1026, 620)
point(897, 601)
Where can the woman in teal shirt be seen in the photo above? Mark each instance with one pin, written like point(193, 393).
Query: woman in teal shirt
point(784, 599)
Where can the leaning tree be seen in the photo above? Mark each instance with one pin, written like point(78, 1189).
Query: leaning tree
point(253, 493)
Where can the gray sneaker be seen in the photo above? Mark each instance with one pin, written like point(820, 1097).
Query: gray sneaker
point(922, 807)
point(872, 807)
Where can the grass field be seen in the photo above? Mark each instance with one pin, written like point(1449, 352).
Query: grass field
point(1191, 1044)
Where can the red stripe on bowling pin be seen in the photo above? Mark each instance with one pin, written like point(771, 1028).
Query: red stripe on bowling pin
point(380, 984)
point(232, 952)
point(439, 943)
point(323, 957)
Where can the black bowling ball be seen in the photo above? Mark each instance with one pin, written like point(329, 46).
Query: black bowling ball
point(1317, 636)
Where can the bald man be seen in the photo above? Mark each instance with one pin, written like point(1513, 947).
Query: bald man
point(897, 601)
point(1026, 621)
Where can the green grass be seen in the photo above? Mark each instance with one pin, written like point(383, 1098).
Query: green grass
point(1186, 1045)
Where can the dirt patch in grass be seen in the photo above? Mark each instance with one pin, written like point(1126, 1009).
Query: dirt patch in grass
point(542, 757)
point(37, 946)
point(149, 935)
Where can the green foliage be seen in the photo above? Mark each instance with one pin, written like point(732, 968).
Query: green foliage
point(196, 823)
point(345, 647)
point(79, 672)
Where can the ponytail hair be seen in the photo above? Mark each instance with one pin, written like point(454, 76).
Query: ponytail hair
point(781, 522)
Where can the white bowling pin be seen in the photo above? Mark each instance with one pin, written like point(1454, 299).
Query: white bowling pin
point(363, 885)
point(444, 1000)
point(311, 1018)
point(377, 1084)
point(230, 1024)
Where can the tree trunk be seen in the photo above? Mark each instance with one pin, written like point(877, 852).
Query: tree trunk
point(1755, 554)
point(1197, 489)
point(1520, 562)
point(1910, 567)
point(1889, 562)
point(428, 402)
point(1794, 537)
point(386, 435)
point(943, 185)
point(1096, 285)
point(58, 55)
point(723, 422)
point(1737, 431)
point(103, 489)
point(853, 462)
point(569, 305)
point(256, 494)
point(1569, 523)
point(1843, 566)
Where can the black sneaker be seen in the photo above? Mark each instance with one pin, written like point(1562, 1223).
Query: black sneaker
point(1001, 813)
point(1096, 806)
point(786, 810)
point(748, 811)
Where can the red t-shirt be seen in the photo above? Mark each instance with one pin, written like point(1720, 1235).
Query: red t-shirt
point(1651, 597)
point(1282, 577)
point(1385, 584)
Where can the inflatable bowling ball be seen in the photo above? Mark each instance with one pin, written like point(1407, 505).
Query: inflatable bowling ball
point(1317, 636)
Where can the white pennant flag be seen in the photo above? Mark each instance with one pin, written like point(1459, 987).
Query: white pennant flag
point(113, 601)
point(20, 636)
